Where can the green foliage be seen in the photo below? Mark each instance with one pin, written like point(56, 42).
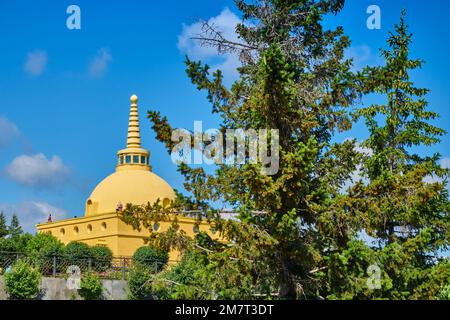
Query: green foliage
point(41, 249)
point(3, 227)
point(139, 282)
point(102, 258)
point(22, 282)
point(77, 253)
point(11, 247)
point(8, 245)
point(444, 293)
point(8, 252)
point(21, 241)
point(293, 78)
point(193, 278)
point(407, 217)
point(179, 281)
point(14, 229)
point(298, 231)
point(151, 258)
point(90, 287)
point(183, 281)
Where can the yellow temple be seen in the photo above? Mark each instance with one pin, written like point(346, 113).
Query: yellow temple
point(132, 182)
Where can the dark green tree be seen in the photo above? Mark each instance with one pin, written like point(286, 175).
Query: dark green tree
point(293, 78)
point(78, 253)
point(3, 227)
point(403, 206)
point(102, 258)
point(41, 248)
point(151, 258)
point(15, 229)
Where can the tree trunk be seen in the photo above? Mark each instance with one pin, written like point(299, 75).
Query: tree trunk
point(287, 288)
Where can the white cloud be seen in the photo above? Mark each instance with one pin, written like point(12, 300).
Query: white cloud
point(358, 174)
point(445, 163)
point(8, 131)
point(36, 62)
point(31, 213)
point(38, 171)
point(431, 179)
point(99, 65)
point(362, 56)
point(364, 150)
point(225, 23)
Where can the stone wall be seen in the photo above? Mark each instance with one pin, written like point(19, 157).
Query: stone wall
point(2, 289)
point(56, 289)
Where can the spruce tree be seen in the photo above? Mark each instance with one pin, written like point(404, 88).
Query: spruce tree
point(404, 204)
point(15, 228)
point(3, 227)
point(293, 78)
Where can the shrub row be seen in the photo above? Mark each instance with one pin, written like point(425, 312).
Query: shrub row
point(42, 248)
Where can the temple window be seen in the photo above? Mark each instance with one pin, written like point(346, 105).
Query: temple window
point(76, 230)
point(143, 159)
point(121, 160)
point(156, 226)
point(62, 231)
point(135, 159)
point(103, 227)
point(128, 159)
point(89, 207)
point(89, 228)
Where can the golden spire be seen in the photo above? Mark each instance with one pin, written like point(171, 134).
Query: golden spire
point(133, 157)
point(134, 135)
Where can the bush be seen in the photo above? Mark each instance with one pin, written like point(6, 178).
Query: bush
point(150, 258)
point(22, 282)
point(102, 258)
point(11, 248)
point(91, 287)
point(182, 282)
point(41, 249)
point(21, 241)
point(139, 283)
point(8, 249)
point(444, 293)
point(77, 253)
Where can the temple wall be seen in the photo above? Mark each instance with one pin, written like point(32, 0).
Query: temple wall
point(56, 289)
point(111, 231)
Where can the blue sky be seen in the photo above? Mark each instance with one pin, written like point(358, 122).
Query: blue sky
point(64, 94)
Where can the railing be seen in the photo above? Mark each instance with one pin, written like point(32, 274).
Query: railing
point(61, 266)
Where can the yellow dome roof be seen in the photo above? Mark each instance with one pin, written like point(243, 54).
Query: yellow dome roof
point(129, 186)
point(133, 182)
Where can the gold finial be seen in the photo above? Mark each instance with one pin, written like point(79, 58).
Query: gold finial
point(133, 157)
point(134, 137)
point(134, 99)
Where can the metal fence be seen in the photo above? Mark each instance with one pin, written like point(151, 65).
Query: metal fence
point(62, 266)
